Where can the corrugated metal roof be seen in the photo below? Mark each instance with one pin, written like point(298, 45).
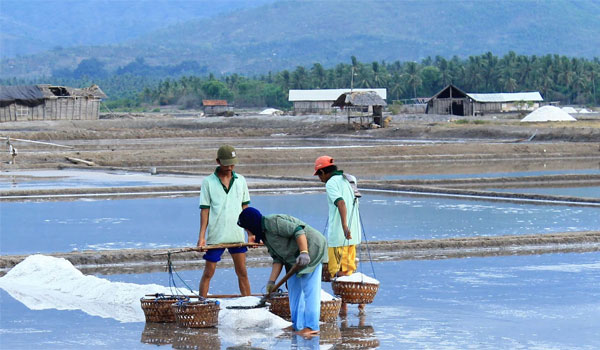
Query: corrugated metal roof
point(506, 97)
point(328, 94)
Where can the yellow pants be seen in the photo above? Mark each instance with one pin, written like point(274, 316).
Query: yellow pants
point(342, 258)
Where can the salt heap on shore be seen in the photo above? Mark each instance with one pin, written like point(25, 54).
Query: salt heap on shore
point(547, 114)
point(569, 109)
point(43, 282)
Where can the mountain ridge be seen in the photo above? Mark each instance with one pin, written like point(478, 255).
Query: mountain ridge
point(285, 34)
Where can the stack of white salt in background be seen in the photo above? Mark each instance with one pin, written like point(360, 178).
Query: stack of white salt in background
point(547, 114)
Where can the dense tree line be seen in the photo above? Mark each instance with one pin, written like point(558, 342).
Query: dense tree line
point(557, 78)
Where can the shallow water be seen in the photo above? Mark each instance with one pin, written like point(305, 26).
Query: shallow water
point(45, 179)
point(492, 174)
point(32, 227)
point(515, 302)
point(589, 192)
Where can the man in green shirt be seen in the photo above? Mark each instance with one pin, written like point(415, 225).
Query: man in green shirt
point(223, 195)
point(343, 225)
point(291, 241)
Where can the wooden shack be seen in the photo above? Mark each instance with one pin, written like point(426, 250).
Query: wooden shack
point(320, 101)
point(452, 100)
point(49, 102)
point(365, 106)
point(216, 107)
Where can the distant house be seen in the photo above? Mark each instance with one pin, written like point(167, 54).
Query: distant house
point(48, 102)
point(320, 101)
point(216, 107)
point(452, 100)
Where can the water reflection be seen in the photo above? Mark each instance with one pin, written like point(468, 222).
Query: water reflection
point(158, 333)
point(180, 338)
point(196, 338)
point(361, 336)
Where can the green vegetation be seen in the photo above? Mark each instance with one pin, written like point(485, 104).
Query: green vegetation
point(557, 78)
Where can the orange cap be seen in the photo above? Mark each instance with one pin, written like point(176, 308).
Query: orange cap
point(323, 162)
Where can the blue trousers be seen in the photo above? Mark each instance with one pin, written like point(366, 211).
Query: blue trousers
point(305, 299)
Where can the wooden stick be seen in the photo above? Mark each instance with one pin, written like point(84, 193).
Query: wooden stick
point(77, 160)
point(212, 246)
point(214, 296)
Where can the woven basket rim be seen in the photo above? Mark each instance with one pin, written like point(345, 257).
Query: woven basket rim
point(354, 282)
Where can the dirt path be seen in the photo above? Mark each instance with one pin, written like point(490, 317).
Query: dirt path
point(288, 145)
point(138, 261)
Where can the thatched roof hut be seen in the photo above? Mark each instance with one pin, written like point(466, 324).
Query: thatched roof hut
point(49, 102)
point(359, 99)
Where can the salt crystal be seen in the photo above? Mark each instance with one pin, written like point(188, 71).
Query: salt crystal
point(326, 296)
point(42, 282)
point(548, 113)
point(357, 277)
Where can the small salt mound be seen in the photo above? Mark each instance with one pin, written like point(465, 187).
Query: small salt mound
point(548, 113)
point(357, 277)
point(271, 111)
point(569, 109)
point(584, 110)
point(240, 326)
point(326, 296)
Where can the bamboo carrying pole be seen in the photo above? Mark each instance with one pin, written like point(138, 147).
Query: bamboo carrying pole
point(212, 246)
point(211, 296)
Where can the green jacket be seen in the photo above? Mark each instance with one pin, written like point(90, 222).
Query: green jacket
point(280, 232)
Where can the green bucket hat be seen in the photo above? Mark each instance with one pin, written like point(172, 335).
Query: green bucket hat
point(226, 155)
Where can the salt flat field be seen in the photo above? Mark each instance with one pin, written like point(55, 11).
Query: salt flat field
point(549, 301)
point(45, 227)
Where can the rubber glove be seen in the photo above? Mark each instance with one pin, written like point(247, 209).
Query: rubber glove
point(303, 259)
point(270, 286)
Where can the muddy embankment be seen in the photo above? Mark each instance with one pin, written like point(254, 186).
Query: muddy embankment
point(141, 261)
point(463, 188)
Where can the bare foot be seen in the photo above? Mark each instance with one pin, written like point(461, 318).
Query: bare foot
point(307, 333)
point(289, 328)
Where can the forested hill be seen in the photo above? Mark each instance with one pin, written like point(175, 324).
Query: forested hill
point(285, 34)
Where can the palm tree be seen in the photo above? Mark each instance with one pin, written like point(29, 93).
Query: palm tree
point(412, 77)
point(318, 75)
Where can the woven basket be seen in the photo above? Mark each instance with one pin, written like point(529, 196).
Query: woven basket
point(330, 309)
point(158, 309)
point(355, 292)
point(280, 306)
point(196, 314)
point(325, 276)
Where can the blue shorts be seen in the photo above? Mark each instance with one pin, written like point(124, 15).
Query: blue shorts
point(214, 255)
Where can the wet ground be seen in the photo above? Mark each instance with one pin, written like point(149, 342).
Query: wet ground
point(151, 223)
point(521, 302)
